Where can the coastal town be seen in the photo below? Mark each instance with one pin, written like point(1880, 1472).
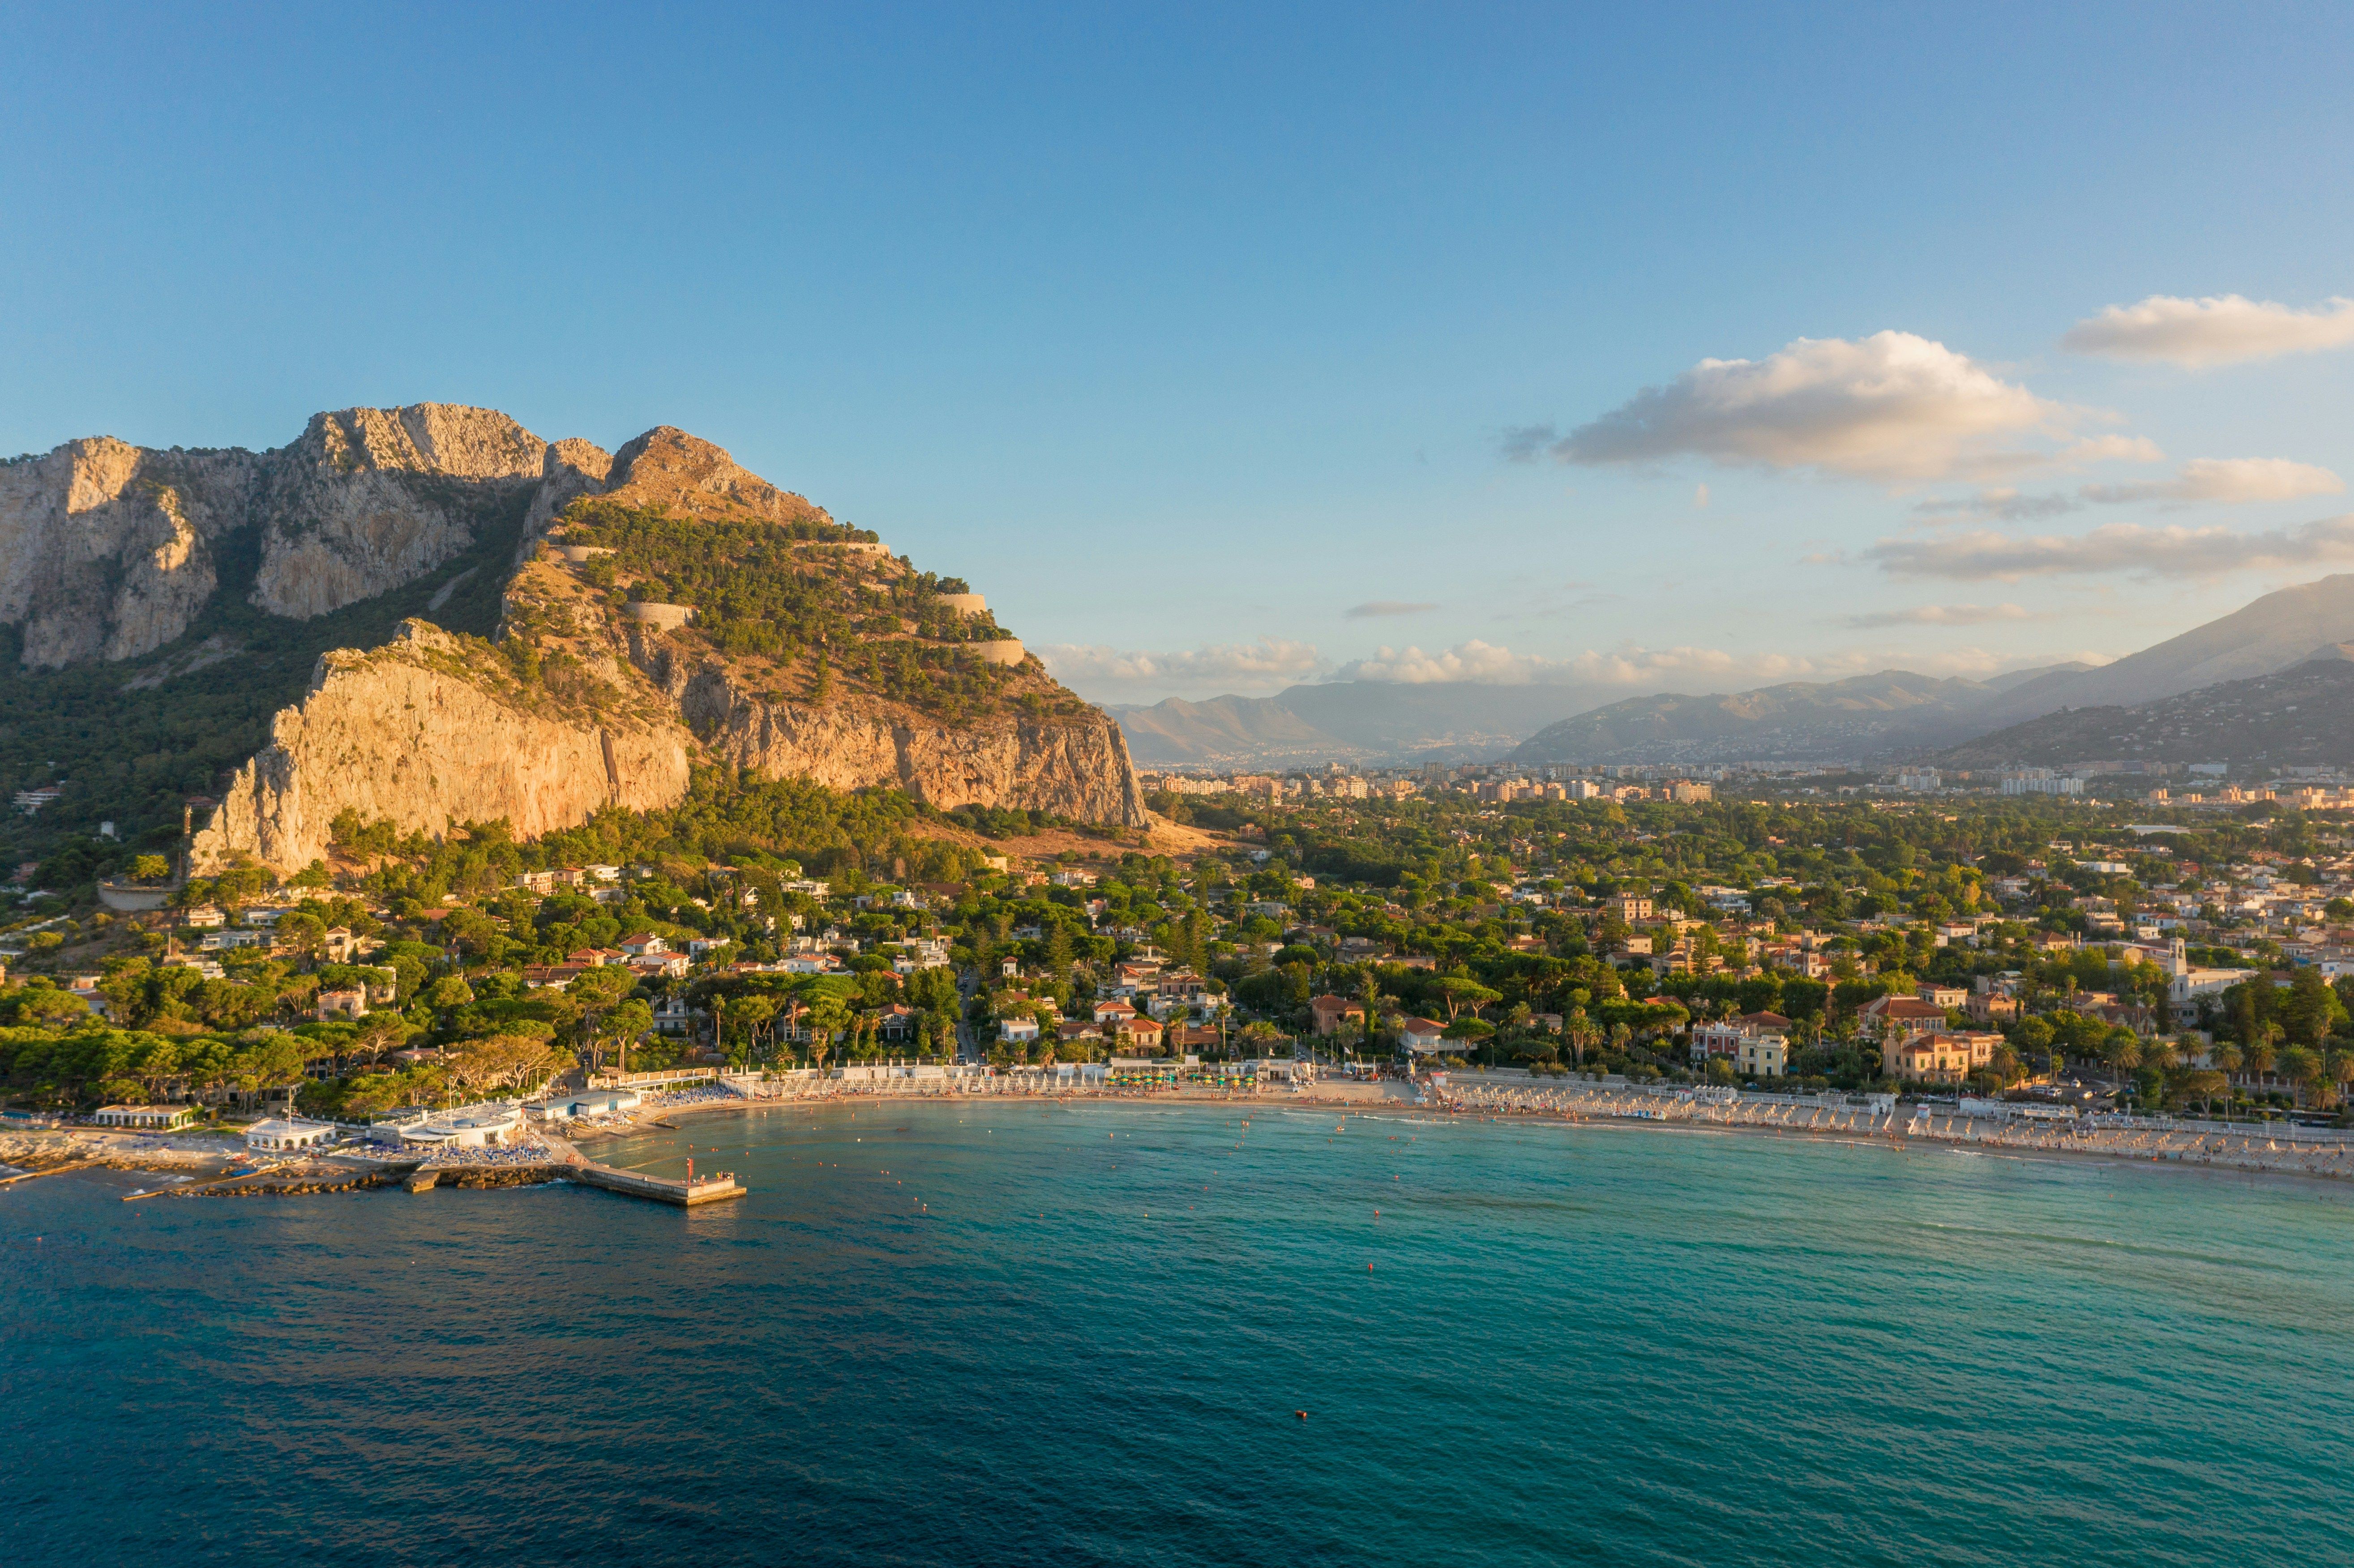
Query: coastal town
point(1453, 941)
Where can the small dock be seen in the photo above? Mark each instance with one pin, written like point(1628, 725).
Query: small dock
point(686, 1195)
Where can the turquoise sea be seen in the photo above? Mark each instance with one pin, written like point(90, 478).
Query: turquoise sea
point(1025, 1333)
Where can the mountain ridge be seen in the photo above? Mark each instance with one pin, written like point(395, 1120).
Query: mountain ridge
point(1864, 718)
point(2303, 716)
point(814, 653)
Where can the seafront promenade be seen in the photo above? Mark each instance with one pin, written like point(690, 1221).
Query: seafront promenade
point(2310, 1151)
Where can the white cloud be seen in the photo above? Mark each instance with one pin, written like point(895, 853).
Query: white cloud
point(2118, 547)
point(1474, 660)
point(1889, 406)
point(1941, 615)
point(2227, 480)
point(1386, 607)
point(1269, 660)
point(1488, 663)
point(2221, 481)
point(2222, 330)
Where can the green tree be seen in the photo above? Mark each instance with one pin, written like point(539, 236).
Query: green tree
point(2302, 1067)
point(448, 993)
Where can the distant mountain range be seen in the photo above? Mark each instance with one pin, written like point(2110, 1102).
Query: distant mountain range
point(1345, 721)
point(1800, 721)
point(2302, 716)
point(1864, 718)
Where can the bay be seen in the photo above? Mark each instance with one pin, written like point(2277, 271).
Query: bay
point(1029, 1333)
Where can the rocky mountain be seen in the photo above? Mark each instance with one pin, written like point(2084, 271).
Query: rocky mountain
point(506, 627)
point(109, 551)
point(2303, 716)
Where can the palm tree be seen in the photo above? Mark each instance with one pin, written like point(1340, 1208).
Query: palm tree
point(1580, 1030)
point(2301, 1065)
point(2260, 1052)
point(2339, 1072)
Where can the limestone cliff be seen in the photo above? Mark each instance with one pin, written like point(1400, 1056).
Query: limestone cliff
point(107, 549)
point(372, 498)
point(1066, 767)
point(425, 732)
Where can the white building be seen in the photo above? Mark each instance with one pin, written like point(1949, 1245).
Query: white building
point(470, 1126)
point(2039, 781)
point(159, 1119)
point(2188, 983)
point(281, 1134)
point(1423, 1036)
point(589, 1102)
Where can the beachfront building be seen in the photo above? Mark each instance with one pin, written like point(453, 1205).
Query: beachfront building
point(589, 1102)
point(1335, 1013)
point(288, 1133)
point(1727, 1037)
point(1423, 1036)
point(1763, 1056)
point(1892, 1018)
point(147, 1118)
point(1945, 1057)
point(492, 1126)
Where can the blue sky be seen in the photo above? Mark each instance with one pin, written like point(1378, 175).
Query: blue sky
point(1185, 335)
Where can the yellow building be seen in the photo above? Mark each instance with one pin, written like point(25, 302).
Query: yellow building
point(1946, 1057)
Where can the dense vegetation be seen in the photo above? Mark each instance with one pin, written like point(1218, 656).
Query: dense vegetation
point(816, 619)
point(1493, 921)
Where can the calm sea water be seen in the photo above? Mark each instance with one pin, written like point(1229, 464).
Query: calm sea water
point(1028, 1334)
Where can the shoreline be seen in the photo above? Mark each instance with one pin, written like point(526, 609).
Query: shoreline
point(327, 1172)
point(2329, 1161)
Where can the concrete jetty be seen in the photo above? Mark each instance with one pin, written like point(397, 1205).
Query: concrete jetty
point(711, 1189)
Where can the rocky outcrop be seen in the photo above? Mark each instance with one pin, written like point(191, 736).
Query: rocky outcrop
point(369, 499)
point(668, 467)
point(106, 549)
point(423, 732)
point(1074, 768)
point(572, 469)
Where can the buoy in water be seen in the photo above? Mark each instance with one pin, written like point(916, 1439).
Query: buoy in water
point(1302, 1413)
